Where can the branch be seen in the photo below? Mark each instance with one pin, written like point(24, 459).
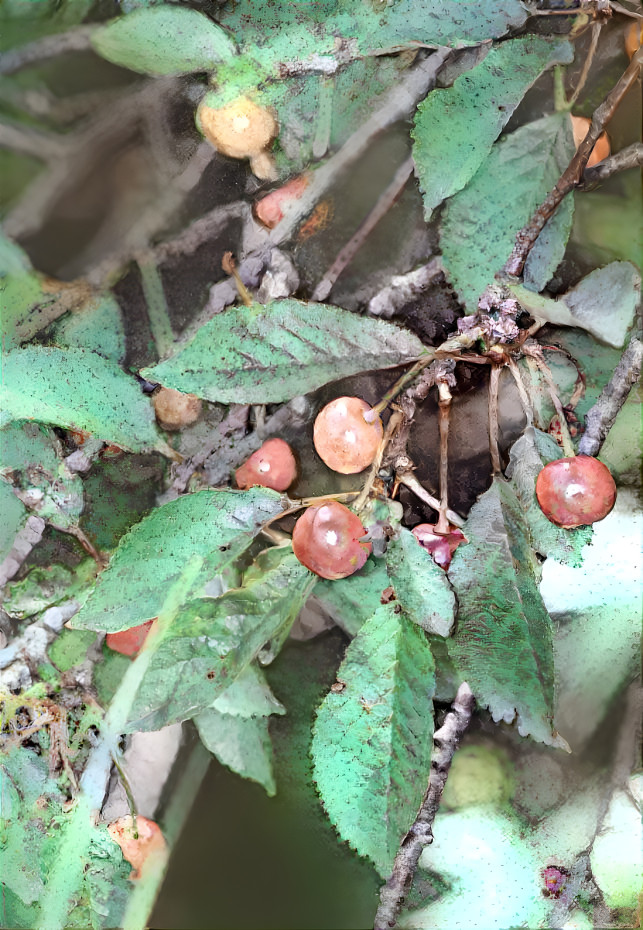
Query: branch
point(76, 40)
point(571, 177)
point(601, 416)
point(630, 157)
point(421, 834)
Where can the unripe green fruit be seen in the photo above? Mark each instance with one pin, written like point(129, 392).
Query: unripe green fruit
point(479, 775)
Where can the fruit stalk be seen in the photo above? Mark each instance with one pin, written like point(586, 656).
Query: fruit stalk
point(600, 417)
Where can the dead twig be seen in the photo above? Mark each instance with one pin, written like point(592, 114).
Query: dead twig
point(76, 40)
point(571, 177)
point(630, 157)
point(600, 418)
point(445, 742)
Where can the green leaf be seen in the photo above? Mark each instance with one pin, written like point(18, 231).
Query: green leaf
point(218, 525)
point(13, 259)
point(421, 586)
point(456, 127)
point(545, 257)
point(604, 303)
point(503, 644)
point(98, 327)
point(249, 695)
point(70, 648)
point(480, 222)
point(528, 456)
point(44, 587)
point(14, 515)
point(212, 640)
point(22, 298)
point(351, 601)
point(32, 457)
point(372, 740)
point(79, 390)
point(259, 355)
point(241, 743)
point(167, 39)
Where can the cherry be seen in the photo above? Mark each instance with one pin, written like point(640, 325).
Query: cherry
point(327, 539)
point(580, 125)
point(138, 843)
point(575, 491)
point(174, 409)
point(441, 546)
point(271, 466)
point(343, 438)
point(129, 642)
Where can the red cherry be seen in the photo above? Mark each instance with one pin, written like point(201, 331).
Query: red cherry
point(344, 440)
point(129, 642)
point(327, 540)
point(441, 546)
point(575, 491)
point(271, 466)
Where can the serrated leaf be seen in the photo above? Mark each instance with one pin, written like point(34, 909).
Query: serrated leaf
point(218, 525)
point(372, 740)
point(503, 644)
point(528, 456)
point(604, 303)
point(456, 127)
point(98, 327)
point(165, 39)
point(249, 695)
point(241, 743)
point(212, 640)
point(421, 586)
point(268, 354)
point(480, 222)
point(351, 601)
point(78, 389)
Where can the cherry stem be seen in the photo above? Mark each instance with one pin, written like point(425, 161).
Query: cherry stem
point(229, 266)
point(400, 384)
point(596, 32)
point(493, 419)
point(442, 526)
point(391, 427)
point(128, 792)
point(309, 502)
point(527, 405)
point(405, 476)
point(535, 352)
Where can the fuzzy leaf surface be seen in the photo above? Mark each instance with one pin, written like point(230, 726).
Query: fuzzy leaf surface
point(166, 39)
point(455, 127)
point(78, 389)
point(529, 455)
point(218, 525)
point(268, 354)
point(98, 326)
point(420, 585)
point(351, 601)
point(241, 743)
point(249, 695)
point(372, 741)
point(545, 257)
point(212, 640)
point(503, 645)
point(501, 197)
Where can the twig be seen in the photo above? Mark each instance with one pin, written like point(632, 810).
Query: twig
point(157, 309)
point(494, 381)
point(587, 64)
point(527, 405)
point(377, 461)
point(420, 835)
point(630, 157)
point(406, 477)
point(76, 40)
point(413, 86)
point(600, 417)
point(407, 378)
point(44, 146)
point(404, 288)
point(571, 177)
point(357, 240)
point(131, 803)
point(535, 352)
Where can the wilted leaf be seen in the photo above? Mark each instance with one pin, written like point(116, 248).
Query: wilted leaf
point(249, 695)
point(503, 643)
point(603, 303)
point(528, 456)
point(480, 222)
point(259, 355)
point(420, 585)
point(165, 39)
point(455, 127)
point(218, 525)
point(372, 740)
point(241, 743)
point(79, 390)
point(212, 640)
